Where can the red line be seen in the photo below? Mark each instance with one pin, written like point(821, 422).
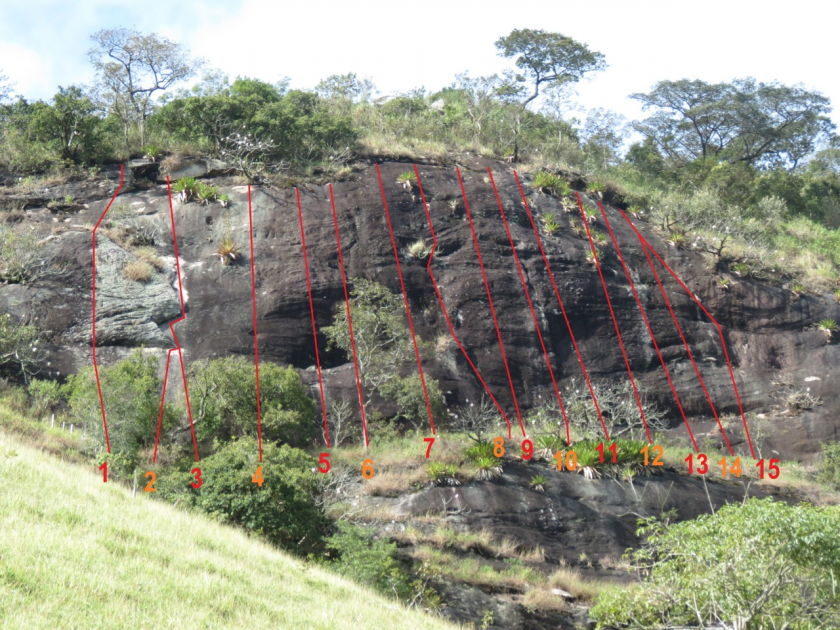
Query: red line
point(560, 302)
point(612, 314)
point(405, 299)
point(490, 300)
point(95, 367)
point(256, 344)
point(443, 306)
point(180, 319)
point(531, 306)
point(162, 398)
point(349, 319)
point(314, 329)
point(647, 324)
point(647, 245)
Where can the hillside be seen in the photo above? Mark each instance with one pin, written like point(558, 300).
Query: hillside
point(77, 553)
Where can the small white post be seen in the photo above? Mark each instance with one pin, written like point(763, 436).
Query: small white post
point(52, 421)
point(71, 428)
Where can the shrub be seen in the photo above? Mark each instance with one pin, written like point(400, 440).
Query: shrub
point(228, 391)
point(138, 271)
point(828, 470)
point(23, 257)
point(763, 564)
point(282, 510)
point(131, 390)
point(45, 394)
point(366, 559)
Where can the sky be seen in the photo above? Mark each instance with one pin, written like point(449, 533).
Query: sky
point(400, 46)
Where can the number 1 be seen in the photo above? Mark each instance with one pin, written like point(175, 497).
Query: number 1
point(104, 469)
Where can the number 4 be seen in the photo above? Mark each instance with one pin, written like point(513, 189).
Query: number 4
point(258, 478)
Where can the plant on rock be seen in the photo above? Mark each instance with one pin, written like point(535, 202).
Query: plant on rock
point(546, 182)
point(596, 188)
point(185, 189)
point(138, 271)
point(538, 483)
point(205, 193)
point(419, 250)
point(228, 251)
point(407, 179)
point(827, 327)
point(488, 468)
point(441, 474)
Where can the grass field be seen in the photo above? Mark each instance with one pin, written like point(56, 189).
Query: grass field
point(77, 553)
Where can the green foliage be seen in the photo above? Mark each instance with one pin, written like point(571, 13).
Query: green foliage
point(479, 450)
point(407, 392)
point(442, 474)
point(763, 564)
point(131, 390)
point(205, 193)
point(828, 470)
point(551, 183)
point(69, 127)
point(488, 468)
point(282, 510)
point(224, 402)
point(186, 188)
point(20, 353)
point(23, 257)
point(407, 179)
point(368, 560)
point(46, 395)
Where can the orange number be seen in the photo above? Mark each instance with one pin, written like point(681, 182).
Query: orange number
point(258, 478)
point(367, 469)
point(150, 487)
point(657, 455)
point(499, 447)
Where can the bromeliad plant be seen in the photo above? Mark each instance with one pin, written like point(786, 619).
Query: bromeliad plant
point(441, 474)
point(546, 182)
point(827, 327)
point(420, 250)
point(407, 179)
point(185, 189)
point(489, 468)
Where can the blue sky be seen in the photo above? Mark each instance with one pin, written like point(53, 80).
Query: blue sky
point(43, 43)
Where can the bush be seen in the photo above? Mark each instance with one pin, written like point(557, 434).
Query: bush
point(763, 564)
point(282, 510)
point(131, 391)
point(368, 560)
point(20, 354)
point(551, 183)
point(225, 391)
point(828, 471)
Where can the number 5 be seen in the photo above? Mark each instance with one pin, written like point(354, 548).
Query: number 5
point(324, 462)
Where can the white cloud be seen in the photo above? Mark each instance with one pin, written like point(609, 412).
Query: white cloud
point(26, 69)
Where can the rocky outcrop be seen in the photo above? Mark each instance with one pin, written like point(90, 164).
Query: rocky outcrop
point(766, 330)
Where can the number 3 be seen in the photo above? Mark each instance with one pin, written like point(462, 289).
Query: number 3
point(198, 481)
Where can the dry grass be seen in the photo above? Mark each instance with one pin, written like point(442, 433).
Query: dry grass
point(481, 541)
point(138, 271)
point(388, 145)
point(545, 595)
point(148, 255)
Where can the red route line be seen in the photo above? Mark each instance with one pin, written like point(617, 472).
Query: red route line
point(647, 246)
point(560, 301)
point(314, 329)
point(162, 398)
point(531, 306)
point(349, 319)
point(490, 300)
point(612, 314)
point(443, 306)
point(177, 343)
point(256, 343)
point(647, 324)
point(95, 367)
point(405, 299)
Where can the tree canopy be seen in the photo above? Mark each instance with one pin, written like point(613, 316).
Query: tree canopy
point(763, 124)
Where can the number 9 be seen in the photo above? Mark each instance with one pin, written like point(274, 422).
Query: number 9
point(527, 449)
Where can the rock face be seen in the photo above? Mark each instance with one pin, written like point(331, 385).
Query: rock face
point(766, 329)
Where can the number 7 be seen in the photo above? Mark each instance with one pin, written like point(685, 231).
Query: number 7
point(429, 441)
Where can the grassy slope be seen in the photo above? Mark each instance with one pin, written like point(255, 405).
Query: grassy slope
point(76, 553)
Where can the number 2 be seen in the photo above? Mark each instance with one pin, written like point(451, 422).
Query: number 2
point(150, 487)
point(429, 441)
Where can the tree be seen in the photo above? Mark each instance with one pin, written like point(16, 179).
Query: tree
point(604, 134)
point(132, 67)
point(282, 510)
point(544, 59)
point(223, 393)
point(131, 390)
point(743, 121)
point(69, 124)
point(5, 87)
point(20, 354)
point(382, 339)
point(345, 87)
point(763, 564)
